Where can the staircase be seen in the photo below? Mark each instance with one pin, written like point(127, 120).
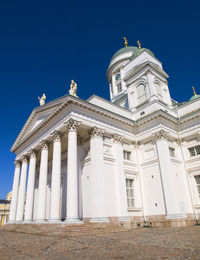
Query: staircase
point(65, 230)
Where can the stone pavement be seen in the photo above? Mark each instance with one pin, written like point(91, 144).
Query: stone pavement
point(141, 243)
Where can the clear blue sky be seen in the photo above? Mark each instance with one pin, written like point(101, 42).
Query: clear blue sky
point(45, 44)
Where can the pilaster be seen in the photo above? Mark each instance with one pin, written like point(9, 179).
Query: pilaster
point(167, 175)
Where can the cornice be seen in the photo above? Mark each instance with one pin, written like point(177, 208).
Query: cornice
point(154, 115)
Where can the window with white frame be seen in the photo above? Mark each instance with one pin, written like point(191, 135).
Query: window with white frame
point(141, 93)
point(194, 150)
point(130, 193)
point(197, 178)
point(172, 151)
point(127, 155)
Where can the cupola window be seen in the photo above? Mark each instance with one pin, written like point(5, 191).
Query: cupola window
point(117, 77)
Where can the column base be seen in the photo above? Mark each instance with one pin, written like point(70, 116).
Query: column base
point(173, 216)
point(73, 221)
point(54, 220)
point(99, 220)
point(11, 222)
point(28, 221)
point(40, 220)
point(124, 219)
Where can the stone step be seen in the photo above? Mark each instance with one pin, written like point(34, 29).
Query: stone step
point(64, 229)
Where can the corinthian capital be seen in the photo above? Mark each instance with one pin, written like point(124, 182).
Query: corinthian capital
point(96, 132)
point(56, 136)
point(117, 138)
point(72, 125)
point(24, 159)
point(160, 135)
point(32, 153)
point(17, 163)
point(44, 145)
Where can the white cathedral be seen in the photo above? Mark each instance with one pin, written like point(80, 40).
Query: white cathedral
point(133, 158)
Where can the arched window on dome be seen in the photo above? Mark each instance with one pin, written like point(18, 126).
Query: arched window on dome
point(141, 93)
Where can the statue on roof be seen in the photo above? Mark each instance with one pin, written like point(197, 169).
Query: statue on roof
point(42, 100)
point(73, 88)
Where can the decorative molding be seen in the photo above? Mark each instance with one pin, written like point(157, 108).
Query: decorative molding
point(72, 125)
point(117, 138)
point(96, 133)
point(44, 145)
point(57, 137)
point(160, 135)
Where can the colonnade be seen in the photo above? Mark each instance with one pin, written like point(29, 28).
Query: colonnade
point(19, 194)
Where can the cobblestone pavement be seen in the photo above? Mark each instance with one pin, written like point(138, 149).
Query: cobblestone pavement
point(143, 243)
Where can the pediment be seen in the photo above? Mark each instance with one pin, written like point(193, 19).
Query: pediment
point(38, 115)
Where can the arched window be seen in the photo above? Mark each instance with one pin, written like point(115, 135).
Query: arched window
point(141, 93)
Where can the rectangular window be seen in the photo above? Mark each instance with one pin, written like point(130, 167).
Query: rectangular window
point(119, 87)
point(127, 155)
point(197, 178)
point(130, 193)
point(194, 150)
point(141, 93)
point(172, 152)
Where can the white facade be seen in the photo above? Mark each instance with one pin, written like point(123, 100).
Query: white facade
point(134, 157)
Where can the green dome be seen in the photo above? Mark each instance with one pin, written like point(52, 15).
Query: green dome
point(135, 51)
point(140, 50)
point(194, 97)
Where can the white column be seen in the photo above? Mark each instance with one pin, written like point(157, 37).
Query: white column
point(167, 176)
point(98, 183)
point(121, 201)
point(22, 190)
point(41, 211)
point(13, 206)
point(72, 173)
point(56, 179)
point(30, 188)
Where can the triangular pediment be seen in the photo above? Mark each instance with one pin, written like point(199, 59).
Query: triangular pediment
point(38, 115)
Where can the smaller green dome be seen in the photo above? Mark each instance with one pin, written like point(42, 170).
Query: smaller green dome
point(140, 50)
point(194, 97)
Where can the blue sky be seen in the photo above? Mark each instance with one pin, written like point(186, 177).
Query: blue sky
point(45, 44)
